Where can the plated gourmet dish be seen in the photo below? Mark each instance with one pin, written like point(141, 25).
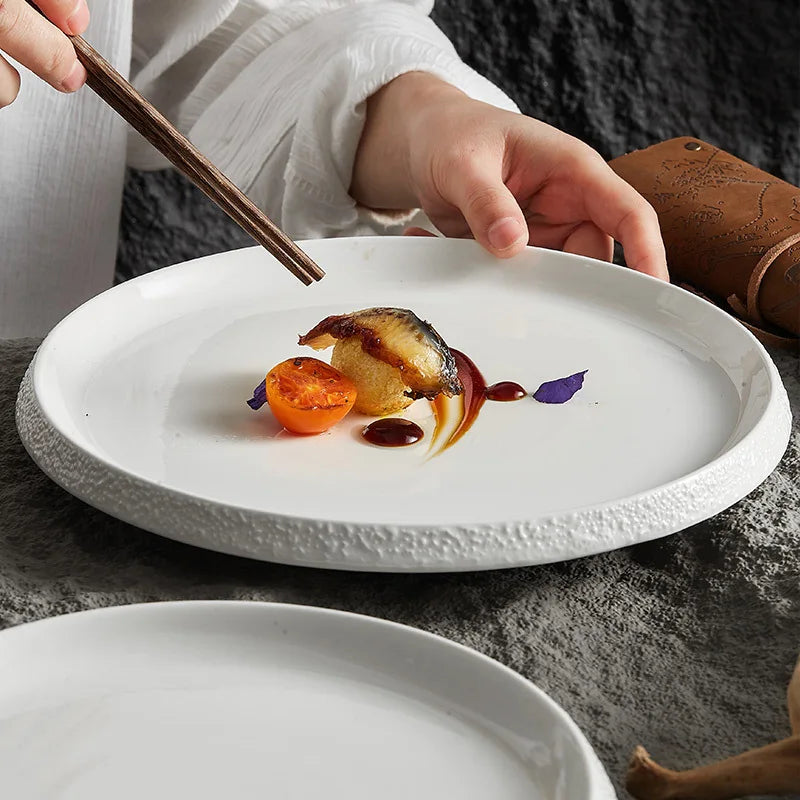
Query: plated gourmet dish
point(383, 360)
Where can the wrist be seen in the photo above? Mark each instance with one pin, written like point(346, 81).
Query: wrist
point(382, 176)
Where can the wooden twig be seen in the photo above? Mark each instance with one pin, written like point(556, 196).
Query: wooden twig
point(774, 769)
point(770, 770)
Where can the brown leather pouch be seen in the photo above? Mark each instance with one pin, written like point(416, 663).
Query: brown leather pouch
point(731, 231)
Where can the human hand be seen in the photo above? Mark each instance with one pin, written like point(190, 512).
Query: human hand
point(505, 179)
point(39, 43)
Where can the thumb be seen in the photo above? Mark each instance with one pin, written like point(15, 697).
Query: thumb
point(492, 213)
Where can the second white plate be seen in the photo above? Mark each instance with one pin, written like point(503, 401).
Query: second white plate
point(136, 403)
point(210, 700)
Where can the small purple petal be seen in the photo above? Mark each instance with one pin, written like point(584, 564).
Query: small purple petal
point(259, 396)
point(561, 390)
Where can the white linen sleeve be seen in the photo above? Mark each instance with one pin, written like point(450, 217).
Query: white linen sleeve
point(274, 94)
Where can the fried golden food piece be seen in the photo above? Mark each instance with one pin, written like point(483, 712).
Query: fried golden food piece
point(380, 388)
point(391, 355)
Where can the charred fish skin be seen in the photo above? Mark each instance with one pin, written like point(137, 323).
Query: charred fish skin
point(398, 337)
point(418, 395)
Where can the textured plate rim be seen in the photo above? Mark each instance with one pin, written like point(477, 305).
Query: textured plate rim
point(341, 544)
point(594, 773)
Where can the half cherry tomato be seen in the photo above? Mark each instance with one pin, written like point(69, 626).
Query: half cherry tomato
point(307, 395)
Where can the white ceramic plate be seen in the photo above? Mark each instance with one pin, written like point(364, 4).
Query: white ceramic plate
point(136, 403)
point(253, 700)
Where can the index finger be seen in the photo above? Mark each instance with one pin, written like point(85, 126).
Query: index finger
point(35, 42)
point(619, 210)
point(72, 16)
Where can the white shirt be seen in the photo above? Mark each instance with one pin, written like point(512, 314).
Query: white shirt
point(272, 91)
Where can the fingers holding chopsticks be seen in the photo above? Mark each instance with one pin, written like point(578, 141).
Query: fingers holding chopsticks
point(39, 43)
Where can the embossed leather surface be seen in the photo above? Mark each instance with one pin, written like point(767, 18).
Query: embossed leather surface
point(731, 230)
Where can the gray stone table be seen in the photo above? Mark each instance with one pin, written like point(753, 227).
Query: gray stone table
point(684, 644)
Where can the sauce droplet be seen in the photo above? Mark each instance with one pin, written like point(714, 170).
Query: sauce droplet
point(505, 392)
point(392, 432)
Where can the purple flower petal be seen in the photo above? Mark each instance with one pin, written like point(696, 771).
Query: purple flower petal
point(561, 390)
point(259, 396)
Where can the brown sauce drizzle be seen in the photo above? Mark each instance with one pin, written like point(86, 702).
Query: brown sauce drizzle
point(399, 432)
point(392, 432)
point(471, 400)
point(441, 408)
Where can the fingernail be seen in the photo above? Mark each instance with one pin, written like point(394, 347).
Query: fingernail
point(79, 20)
point(75, 79)
point(504, 233)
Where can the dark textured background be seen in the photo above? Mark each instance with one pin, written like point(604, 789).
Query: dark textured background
point(620, 74)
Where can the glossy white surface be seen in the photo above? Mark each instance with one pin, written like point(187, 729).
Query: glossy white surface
point(136, 404)
point(255, 700)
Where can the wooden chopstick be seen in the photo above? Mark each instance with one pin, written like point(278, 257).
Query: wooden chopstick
point(150, 123)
